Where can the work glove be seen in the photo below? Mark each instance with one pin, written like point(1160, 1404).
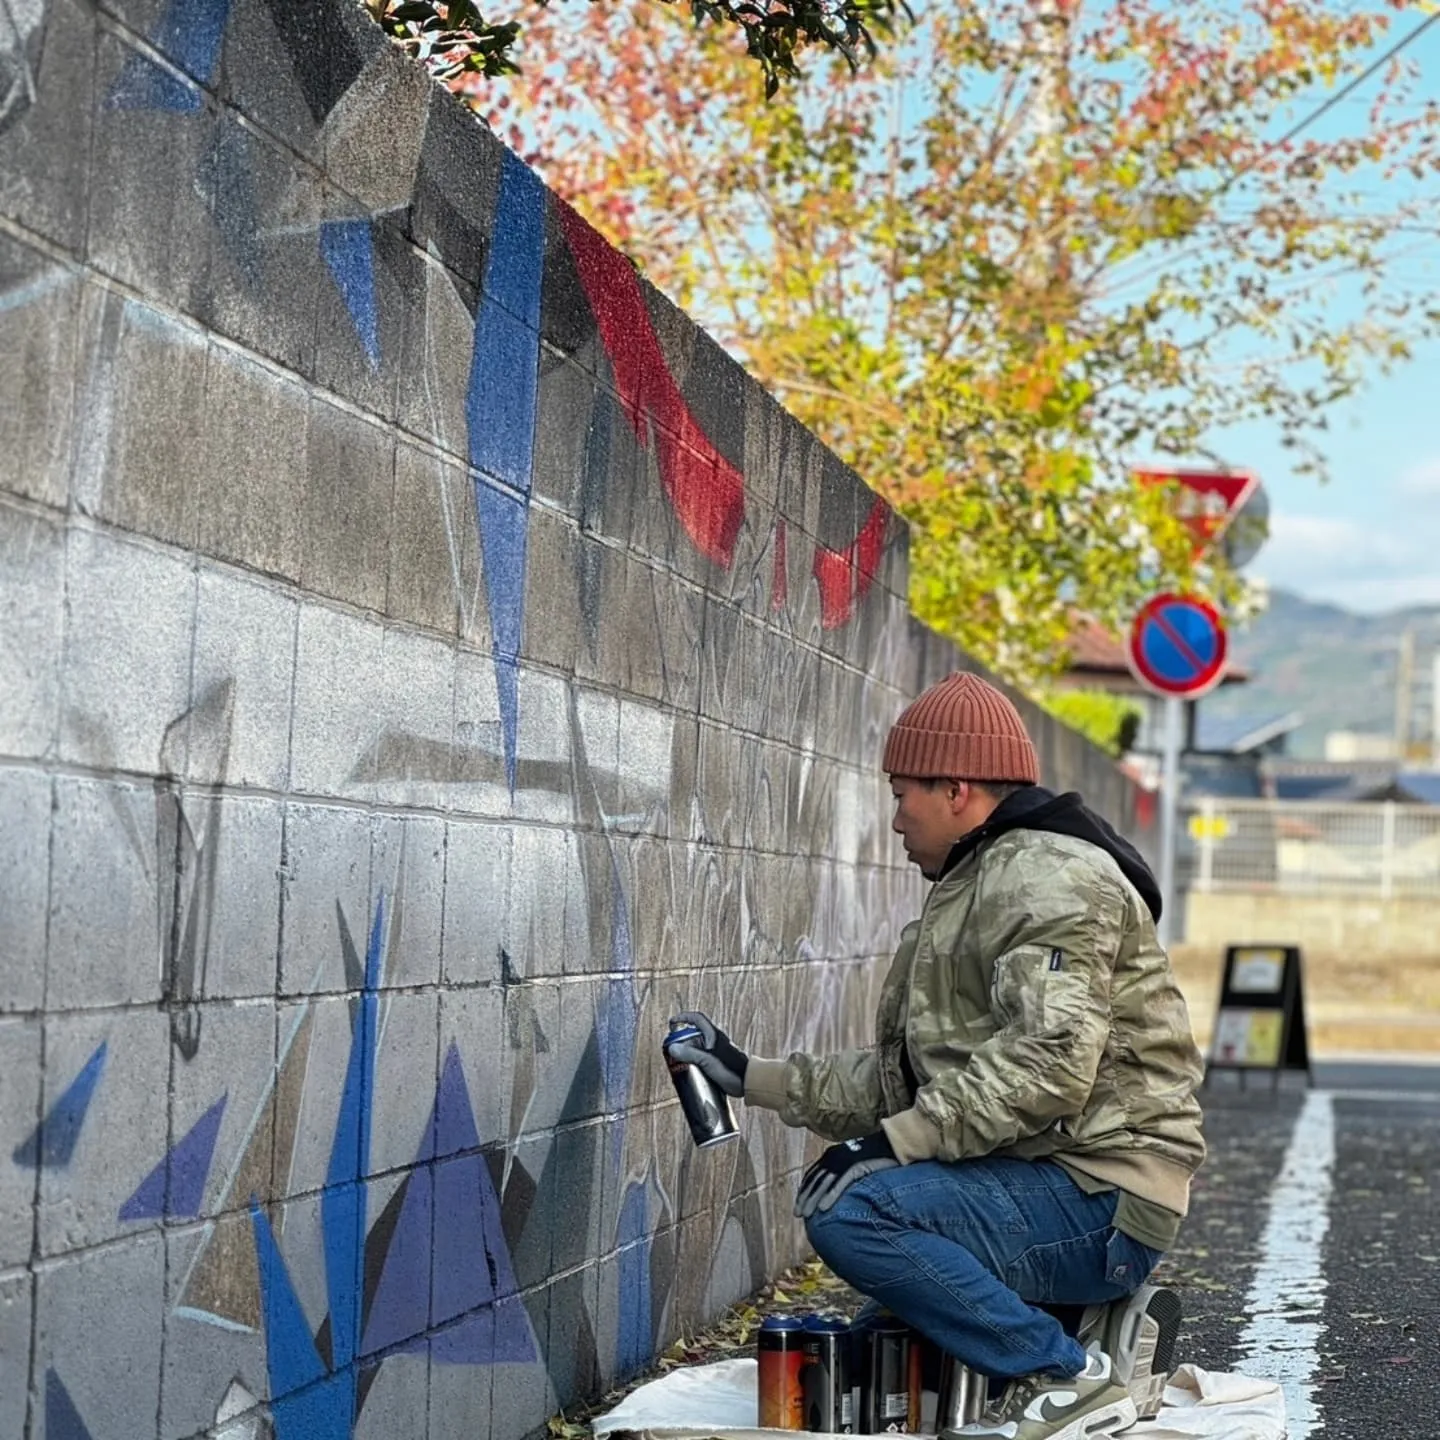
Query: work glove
point(720, 1059)
point(839, 1168)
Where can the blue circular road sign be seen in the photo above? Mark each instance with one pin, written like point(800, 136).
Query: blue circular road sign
point(1178, 645)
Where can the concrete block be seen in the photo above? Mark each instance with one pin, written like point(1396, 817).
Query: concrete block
point(405, 1071)
point(41, 306)
point(341, 691)
point(209, 1366)
point(105, 944)
point(121, 1133)
point(537, 907)
point(543, 749)
point(345, 520)
point(20, 1113)
point(472, 1023)
point(477, 892)
point(572, 1356)
point(591, 938)
point(580, 1160)
point(372, 278)
point(126, 665)
point(149, 225)
point(110, 1370)
point(263, 265)
point(409, 762)
point(398, 1400)
point(644, 771)
point(243, 899)
point(257, 76)
point(331, 1021)
point(141, 384)
point(532, 1035)
point(439, 339)
point(253, 459)
point(592, 1051)
point(16, 1290)
point(479, 785)
point(529, 1227)
point(32, 591)
point(407, 866)
point(434, 550)
point(553, 621)
point(48, 104)
point(565, 411)
point(460, 1400)
point(245, 637)
point(452, 207)
point(325, 913)
point(25, 798)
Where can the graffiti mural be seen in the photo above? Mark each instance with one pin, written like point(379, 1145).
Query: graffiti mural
point(429, 663)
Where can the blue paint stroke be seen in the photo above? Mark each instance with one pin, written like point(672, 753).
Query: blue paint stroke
point(52, 1142)
point(471, 1268)
point(633, 1341)
point(343, 1203)
point(348, 249)
point(500, 407)
point(190, 34)
point(62, 1419)
point(307, 1403)
point(175, 1188)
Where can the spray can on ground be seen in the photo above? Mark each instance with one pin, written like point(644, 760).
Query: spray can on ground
point(780, 1356)
point(706, 1105)
point(825, 1375)
point(885, 1377)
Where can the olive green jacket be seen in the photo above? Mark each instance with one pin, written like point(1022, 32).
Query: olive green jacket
point(1040, 1019)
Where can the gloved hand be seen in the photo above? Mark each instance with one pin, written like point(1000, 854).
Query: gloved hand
point(720, 1058)
point(839, 1168)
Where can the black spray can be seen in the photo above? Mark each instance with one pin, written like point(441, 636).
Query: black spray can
point(885, 1377)
point(825, 1375)
point(706, 1105)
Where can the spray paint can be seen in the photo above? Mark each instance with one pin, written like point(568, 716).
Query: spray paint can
point(885, 1378)
point(825, 1375)
point(706, 1105)
point(779, 1353)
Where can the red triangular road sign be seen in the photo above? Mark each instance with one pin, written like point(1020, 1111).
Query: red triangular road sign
point(1207, 500)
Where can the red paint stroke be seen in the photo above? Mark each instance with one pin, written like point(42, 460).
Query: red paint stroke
point(1144, 808)
point(707, 491)
point(845, 575)
point(779, 580)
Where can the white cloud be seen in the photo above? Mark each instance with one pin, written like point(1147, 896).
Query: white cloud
point(1420, 482)
point(1362, 567)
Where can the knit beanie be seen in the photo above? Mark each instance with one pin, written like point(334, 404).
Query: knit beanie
point(961, 728)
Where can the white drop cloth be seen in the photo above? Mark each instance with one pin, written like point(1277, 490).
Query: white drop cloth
point(719, 1400)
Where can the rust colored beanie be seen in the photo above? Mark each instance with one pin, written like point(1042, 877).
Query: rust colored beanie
point(961, 728)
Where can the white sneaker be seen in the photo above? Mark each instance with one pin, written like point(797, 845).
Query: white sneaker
point(1041, 1407)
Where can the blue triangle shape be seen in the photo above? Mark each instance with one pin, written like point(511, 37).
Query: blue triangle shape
point(52, 1142)
point(144, 85)
point(62, 1419)
point(348, 249)
point(176, 1186)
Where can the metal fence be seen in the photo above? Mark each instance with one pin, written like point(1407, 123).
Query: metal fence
point(1381, 850)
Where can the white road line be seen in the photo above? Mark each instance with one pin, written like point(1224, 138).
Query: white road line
point(1284, 1304)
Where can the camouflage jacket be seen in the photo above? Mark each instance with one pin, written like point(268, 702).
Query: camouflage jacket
point(1035, 1011)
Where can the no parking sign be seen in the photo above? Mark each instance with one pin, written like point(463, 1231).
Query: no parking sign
point(1178, 646)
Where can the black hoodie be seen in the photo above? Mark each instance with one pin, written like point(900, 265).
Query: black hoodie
point(1036, 808)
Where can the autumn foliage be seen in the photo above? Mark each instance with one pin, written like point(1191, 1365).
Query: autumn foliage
point(1034, 243)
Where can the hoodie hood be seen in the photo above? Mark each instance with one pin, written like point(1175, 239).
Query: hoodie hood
point(1036, 808)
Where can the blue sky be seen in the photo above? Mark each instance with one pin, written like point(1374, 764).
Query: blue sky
point(1369, 539)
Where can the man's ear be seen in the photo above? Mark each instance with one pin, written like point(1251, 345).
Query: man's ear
point(959, 795)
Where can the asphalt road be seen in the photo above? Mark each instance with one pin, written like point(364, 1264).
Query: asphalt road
point(1312, 1251)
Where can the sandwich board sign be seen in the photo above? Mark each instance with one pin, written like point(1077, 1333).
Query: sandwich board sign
point(1260, 1024)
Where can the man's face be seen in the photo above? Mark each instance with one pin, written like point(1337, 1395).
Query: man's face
point(928, 819)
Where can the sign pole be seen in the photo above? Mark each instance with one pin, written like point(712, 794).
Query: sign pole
point(1169, 816)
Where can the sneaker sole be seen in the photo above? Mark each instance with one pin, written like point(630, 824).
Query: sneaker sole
point(1109, 1420)
point(1159, 1328)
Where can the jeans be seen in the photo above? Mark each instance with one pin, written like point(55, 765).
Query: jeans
point(965, 1250)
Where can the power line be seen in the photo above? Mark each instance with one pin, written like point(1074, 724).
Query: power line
point(1345, 90)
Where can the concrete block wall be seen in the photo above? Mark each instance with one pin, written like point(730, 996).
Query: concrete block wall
point(426, 662)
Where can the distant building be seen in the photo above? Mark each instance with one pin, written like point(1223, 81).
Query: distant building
point(1345, 747)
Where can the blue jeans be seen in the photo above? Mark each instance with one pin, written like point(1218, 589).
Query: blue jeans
point(965, 1250)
